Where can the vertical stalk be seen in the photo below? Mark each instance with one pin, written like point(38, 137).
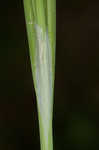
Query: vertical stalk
point(41, 28)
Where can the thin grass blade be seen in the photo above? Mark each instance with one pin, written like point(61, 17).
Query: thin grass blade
point(41, 28)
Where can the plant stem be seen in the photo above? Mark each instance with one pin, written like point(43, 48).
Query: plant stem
point(41, 28)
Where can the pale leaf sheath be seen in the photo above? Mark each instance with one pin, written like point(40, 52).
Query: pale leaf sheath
point(43, 79)
point(40, 20)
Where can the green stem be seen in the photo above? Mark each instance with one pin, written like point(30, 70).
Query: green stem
point(46, 143)
point(41, 28)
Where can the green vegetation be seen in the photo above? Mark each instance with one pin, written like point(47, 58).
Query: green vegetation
point(40, 18)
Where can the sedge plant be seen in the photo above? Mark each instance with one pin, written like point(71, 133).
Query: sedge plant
point(40, 16)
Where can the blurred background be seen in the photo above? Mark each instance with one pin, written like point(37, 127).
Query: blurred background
point(76, 102)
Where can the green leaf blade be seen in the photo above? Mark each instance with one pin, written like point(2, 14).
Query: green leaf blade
point(41, 28)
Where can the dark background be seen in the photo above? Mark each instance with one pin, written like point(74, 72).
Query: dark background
point(76, 102)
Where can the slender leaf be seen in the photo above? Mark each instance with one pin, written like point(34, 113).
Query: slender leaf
point(41, 28)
